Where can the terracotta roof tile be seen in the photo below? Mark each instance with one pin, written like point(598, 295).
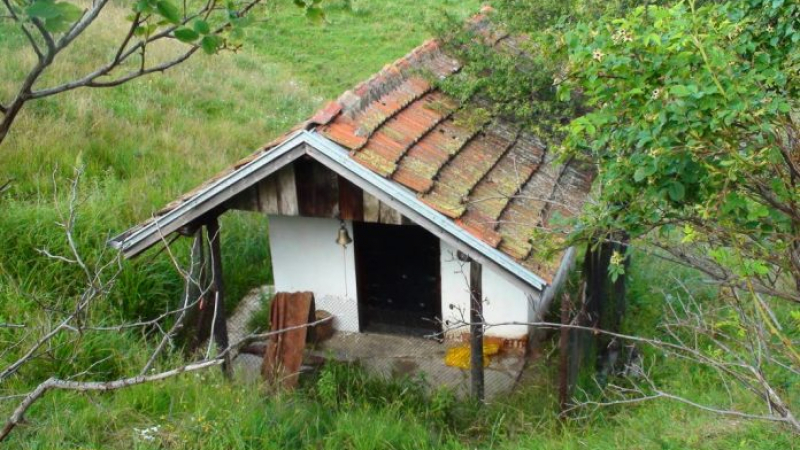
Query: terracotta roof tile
point(523, 213)
point(490, 197)
point(495, 182)
point(423, 161)
point(457, 178)
point(398, 134)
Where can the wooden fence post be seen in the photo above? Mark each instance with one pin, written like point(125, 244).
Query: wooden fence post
point(219, 326)
point(563, 348)
point(476, 330)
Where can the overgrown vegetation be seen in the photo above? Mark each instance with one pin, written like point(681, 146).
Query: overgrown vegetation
point(343, 407)
point(144, 143)
point(688, 111)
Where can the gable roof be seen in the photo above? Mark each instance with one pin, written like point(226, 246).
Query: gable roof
point(482, 184)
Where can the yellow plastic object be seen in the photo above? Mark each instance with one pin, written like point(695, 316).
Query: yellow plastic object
point(460, 356)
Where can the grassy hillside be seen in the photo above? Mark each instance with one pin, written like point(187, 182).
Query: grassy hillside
point(144, 143)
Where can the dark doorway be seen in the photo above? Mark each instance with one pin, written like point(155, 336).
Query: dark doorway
point(398, 276)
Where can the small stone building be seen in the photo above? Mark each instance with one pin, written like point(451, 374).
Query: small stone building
point(421, 183)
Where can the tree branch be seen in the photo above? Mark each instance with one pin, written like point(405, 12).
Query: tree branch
point(123, 53)
point(83, 386)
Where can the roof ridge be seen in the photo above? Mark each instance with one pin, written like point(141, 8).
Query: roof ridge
point(394, 73)
point(390, 77)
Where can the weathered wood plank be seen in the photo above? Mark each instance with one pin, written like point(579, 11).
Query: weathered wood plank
point(199, 321)
point(371, 208)
point(317, 189)
point(351, 201)
point(267, 191)
point(287, 192)
point(244, 201)
point(193, 214)
point(389, 215)
point(219, 326)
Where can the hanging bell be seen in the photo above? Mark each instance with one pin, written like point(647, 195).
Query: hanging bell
point(343, 238)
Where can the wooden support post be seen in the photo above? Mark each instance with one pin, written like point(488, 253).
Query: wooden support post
point(219, 326)
point(476, 329)
point(563, 348)
point(193, 290)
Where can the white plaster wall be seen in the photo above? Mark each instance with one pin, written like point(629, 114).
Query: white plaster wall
point(455, 291)
point(504, 301)
point(305, 257)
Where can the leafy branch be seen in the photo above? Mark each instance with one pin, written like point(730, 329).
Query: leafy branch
point(51, 26)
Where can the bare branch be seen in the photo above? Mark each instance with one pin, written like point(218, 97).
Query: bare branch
point(83, 386)
point(6, 186)
point(95, 79)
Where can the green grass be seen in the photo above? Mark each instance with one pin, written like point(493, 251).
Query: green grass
point(145, 143)
point(345, 408)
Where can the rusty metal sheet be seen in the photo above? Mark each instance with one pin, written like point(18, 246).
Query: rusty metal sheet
point(284, 353)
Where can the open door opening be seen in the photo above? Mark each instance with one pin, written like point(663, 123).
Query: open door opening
point(399, 279)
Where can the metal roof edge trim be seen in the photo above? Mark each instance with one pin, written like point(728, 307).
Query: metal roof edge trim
point(567, 263)
point(128, 239)
point(340, 156)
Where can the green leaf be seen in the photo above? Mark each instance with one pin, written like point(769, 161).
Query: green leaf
point(69, 12)
point(43, 9)
point(186, 35)
point(679, 90)
point(210, 44)
point(56, 25)
point(57, 17)
point(201, 26)
point(143, 6)
point(168, 11)
point(676, 191)
point(645, 170)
